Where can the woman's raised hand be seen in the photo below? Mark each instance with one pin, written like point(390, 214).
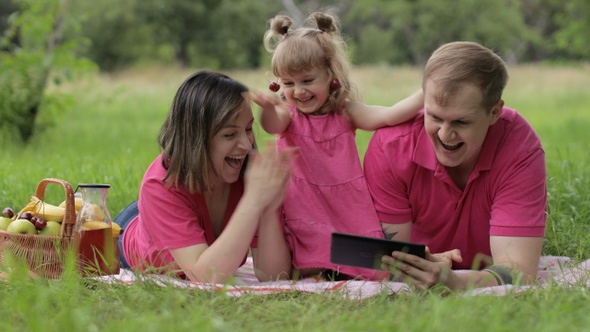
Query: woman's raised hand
point(267, 176)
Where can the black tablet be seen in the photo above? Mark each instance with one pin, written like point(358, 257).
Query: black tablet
point(366, 252)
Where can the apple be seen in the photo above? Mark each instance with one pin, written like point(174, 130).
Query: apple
point(39, 222)
point(7, 213)
point(22, 226)
point(4, 222)
point(26, 215)
point(51, 229)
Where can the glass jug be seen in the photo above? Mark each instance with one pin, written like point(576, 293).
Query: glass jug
point(97, 248)
point(93, 213)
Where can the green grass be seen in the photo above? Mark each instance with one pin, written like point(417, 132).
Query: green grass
point(107, 134)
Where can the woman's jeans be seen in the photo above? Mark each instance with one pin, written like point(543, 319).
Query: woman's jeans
point(123, 219)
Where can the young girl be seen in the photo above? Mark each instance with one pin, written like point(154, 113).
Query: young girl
point(318, 113)
point(198, 212)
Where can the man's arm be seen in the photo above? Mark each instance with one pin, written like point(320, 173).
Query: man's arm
point(401, 232)
point(520, 254)
point(517, 256)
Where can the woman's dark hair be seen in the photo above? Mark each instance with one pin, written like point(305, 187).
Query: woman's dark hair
point(204, 102)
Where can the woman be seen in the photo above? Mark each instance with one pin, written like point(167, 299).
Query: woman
point(200, 208)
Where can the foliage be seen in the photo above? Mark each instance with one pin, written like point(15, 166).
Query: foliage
point(227, 34)
point(423, 25)
point(34, 54)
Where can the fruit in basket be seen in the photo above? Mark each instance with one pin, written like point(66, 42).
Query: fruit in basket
point(4, 222)
point(77, 201)
point(26, 215)
point(47, 211)
point(39, 222)
point(52, 229)
point(7, 212)
point(22, 226)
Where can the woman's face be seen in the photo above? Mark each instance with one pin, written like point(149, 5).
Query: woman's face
point(307, 90)
point(230, 146)
point(458, 129)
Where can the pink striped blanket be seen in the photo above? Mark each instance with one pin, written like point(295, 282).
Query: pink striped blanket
point(552, 270)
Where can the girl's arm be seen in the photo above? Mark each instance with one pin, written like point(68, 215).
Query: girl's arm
point(370, 117)
point(274, 116)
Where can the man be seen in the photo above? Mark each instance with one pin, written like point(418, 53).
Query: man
point(465, 177)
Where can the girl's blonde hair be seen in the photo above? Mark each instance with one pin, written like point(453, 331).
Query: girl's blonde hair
point(318, 44)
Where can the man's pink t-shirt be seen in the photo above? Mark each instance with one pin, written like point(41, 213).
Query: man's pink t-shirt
point(505, 195)
point(169, 219)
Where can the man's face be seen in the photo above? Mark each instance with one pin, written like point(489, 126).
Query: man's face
point(458, 129)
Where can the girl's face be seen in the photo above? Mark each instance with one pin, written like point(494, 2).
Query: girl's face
point(458, 129)
point(308, 90)
point(230, 146)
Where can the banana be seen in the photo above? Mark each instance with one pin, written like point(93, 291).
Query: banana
point(78, 202)
point(46, 210)
point(94, 224)
point(28, 208)
point(116, 229)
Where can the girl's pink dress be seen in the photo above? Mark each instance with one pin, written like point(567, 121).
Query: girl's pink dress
point(327, 192)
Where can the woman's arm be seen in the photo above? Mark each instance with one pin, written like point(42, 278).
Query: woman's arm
point(265, 179)
point(272, 258)
point(218, 262)
point(274, 116)
point(371, 117)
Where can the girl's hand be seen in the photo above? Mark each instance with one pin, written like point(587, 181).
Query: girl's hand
point(266, 100)
point(275, 115)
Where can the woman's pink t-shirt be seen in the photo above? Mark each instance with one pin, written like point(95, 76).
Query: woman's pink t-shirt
point(169, 219)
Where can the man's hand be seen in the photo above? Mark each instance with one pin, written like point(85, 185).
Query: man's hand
point(423, 273)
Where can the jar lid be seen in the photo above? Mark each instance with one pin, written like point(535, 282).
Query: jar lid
point(92, 185)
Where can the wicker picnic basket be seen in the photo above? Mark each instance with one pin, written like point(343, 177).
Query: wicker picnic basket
point(46, 255)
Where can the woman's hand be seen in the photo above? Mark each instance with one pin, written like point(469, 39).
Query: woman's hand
point(267, 176)
point(423, 273)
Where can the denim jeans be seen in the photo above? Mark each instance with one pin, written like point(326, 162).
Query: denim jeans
point(123, 219)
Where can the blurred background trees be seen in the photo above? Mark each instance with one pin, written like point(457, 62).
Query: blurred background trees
point(223, 34)
point(43, 40)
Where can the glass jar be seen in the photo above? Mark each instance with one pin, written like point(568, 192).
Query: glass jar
point(96, 246)
point(93, 213)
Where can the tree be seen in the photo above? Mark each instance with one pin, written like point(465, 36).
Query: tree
point(426, 24)
point(573, 35)
point(26, 67)
point(180, 22)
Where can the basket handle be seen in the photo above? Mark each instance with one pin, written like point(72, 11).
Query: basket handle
point(67, 225)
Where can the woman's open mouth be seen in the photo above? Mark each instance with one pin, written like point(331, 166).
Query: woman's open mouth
point(235, 162)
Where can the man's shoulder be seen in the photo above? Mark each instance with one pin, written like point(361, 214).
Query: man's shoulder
point(401, 132)
point(517, 128)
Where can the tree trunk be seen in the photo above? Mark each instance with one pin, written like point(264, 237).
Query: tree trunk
point(26, 128)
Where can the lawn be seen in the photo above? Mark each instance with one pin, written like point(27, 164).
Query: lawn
point(106, 133)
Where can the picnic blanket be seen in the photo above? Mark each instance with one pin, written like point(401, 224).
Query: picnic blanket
point(553, 270)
